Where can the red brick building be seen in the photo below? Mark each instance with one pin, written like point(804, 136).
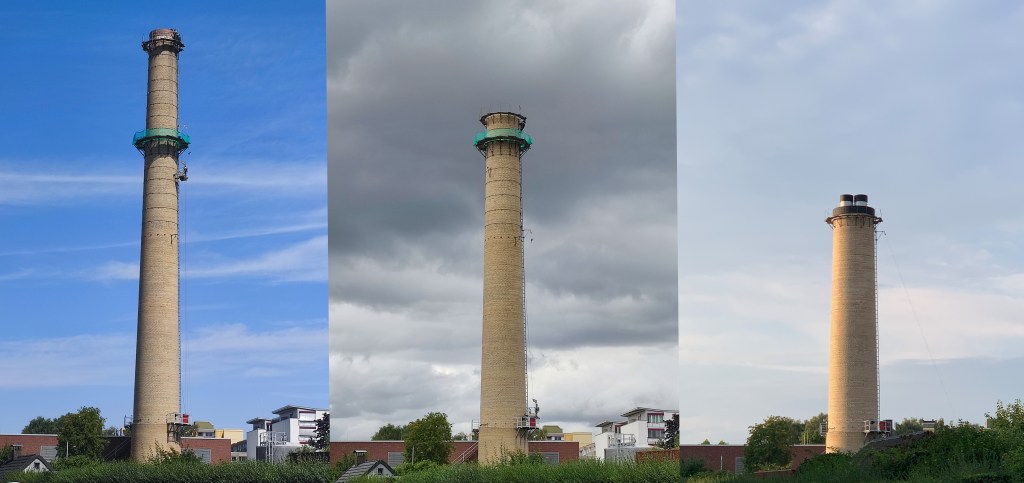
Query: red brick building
point(45, 445)
point(725, 457)
point(393, 452)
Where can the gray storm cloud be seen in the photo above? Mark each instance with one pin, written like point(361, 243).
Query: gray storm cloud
point(406, 87)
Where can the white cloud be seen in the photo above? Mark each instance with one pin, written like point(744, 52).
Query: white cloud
point(79, 360)
point(300, 262)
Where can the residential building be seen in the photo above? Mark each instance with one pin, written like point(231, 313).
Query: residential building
point(642, 428)
point(271, 439)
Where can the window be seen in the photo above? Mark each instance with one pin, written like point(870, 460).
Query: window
point(655, 417)
point(395, 458)
point(656, 434)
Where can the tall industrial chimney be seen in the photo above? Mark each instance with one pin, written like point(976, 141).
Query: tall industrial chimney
point(853, 345)
point(157, 357)
point(504, 417)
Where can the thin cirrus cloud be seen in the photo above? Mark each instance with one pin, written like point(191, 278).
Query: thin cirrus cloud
point(298, 262)
point(207, 178)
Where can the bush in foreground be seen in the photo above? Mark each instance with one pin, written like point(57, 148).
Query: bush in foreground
point(130, 472)
point(575, 472)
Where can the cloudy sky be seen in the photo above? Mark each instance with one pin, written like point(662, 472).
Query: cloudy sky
point(406, 87)
point(253, 210)
point(782, 107)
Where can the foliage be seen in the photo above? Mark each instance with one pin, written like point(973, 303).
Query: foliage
point(428, 438)
point(908, 426)
point(811, 433)
point(76, 461)
point(706, 442)
point(1008, 417)
point(537, 434)
point(41, 425)
point(389, 432)
point(408, 468)
point(460, 436)
point(671, 433)
point(829, 467)
point(81, 433)
point(342, 465)
point(126, 471)
point(690, 467)
point(322, 434)
point(520, 458)
point(6, 453)
point(586, 471)
point(305, 455)
point(170, 456)
point(722, 442)
point(768, 444)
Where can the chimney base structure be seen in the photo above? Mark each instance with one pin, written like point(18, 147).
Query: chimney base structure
point(853, 344)
point(156, 418)
point(504, 417)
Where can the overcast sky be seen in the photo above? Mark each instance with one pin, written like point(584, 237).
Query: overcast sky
point(785, 106)
point(253, 212)
point(406, 88)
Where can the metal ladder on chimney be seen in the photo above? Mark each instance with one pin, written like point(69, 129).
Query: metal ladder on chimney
point(526, 333)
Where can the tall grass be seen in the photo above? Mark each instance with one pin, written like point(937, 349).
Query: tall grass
point(130, 472)
point(570, 472)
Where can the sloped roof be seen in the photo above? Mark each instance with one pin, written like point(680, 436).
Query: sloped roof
point(22, 463)
point(362, 469)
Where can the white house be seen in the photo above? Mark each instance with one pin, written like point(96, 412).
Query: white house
point(619, 440)
point(272, 439)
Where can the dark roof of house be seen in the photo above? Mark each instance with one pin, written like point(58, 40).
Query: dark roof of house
point(362, 469)
point(21, 463)
point(905, 440)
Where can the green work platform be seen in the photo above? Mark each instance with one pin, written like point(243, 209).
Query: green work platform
point(503, 134)
point(146, 136)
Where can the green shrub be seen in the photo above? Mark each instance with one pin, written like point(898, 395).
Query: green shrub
point(76, 461)
point(407, 468)
point(170, 456)
point(690, 467)
point(130, 472)
point(569, 472)
point(830, 467)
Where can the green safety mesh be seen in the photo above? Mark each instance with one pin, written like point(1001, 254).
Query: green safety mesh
point(503, 133)
point(144, 135)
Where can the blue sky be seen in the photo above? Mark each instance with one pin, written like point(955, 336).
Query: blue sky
point(783, 107)
point(254, 211)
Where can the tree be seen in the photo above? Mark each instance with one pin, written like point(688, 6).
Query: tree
point(908, 426)
point(811, 433)
point(768, 444)
point(304, 454)
point(706, 442)
point(40, 425)
point(6, 454)
point(322, 435)
point(537, 434)
point(389, 432)
point(1009, 417)
point(429, 438)
point(460, 436)
point(81, 433)
point(722, 442)
point(671, 433)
